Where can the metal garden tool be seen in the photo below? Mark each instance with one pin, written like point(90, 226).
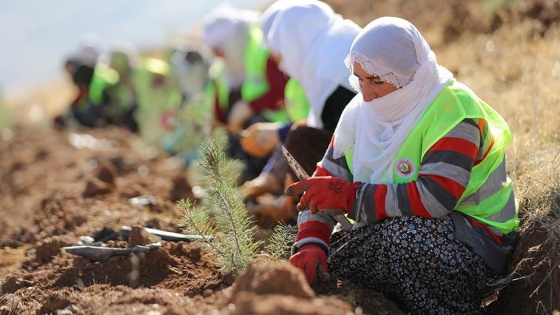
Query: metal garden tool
point(102, 253)
point(338, 214)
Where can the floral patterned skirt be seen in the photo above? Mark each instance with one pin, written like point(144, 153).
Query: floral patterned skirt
point(415, 261)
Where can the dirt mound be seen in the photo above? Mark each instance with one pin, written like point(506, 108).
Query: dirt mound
point(281, 290)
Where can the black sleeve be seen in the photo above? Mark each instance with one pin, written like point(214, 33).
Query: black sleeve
point(334, 105)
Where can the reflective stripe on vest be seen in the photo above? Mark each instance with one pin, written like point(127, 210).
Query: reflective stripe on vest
point(103, 77)
point(155, 98)
point(255, 58)
point(219, 88)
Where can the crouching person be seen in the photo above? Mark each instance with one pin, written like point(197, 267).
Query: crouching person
point(418, 162)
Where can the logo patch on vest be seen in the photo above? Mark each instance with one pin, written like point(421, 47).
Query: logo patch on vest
point(404, 167)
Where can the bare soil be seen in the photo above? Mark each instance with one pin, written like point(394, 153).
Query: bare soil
point(58, 186)
point(54, 192)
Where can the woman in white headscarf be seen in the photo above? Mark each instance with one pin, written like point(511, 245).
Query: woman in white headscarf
point(251, 87)
point(309, 41)
point(418, 162)
point(233, 35)
point(225, 31)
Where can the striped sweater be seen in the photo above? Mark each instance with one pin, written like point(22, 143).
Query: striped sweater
point(443, 175)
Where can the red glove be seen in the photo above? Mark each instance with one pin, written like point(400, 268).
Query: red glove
point(310, 258)
point(324, 192)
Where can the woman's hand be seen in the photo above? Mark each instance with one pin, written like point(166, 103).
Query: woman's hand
point(310, 259)
point(324, 192)
point(260, 139)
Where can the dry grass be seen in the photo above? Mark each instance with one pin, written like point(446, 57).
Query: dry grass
point(518, 73)
point(520, 77)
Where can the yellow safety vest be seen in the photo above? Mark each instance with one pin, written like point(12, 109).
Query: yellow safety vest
point(455, 103)
point(296, 103)
point(255, 83)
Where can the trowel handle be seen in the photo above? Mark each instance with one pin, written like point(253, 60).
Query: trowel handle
point(338, 214)
point(302, 175)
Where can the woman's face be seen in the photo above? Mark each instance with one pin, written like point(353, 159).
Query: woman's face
point(278, 59)
point(371, 86)
point(218, 52)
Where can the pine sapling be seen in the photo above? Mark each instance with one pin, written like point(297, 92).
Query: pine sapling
point(195, 220)
point(233, 244)
point(280, 242)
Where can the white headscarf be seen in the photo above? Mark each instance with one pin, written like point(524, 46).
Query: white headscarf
point(89, 49)
point(227, 29)
point(313, 41)
point(393, 49)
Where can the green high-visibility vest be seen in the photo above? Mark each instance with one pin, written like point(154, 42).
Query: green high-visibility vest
point(455, 103)
point(107, 79)
point(255, 83)
point(218, 88)
point(158, 98)
point(255, 58)
point(103, 77)
point(296, 103)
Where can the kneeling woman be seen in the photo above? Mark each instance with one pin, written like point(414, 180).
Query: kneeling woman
point(418, 162)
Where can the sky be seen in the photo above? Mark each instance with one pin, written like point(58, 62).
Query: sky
point(37, 35)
